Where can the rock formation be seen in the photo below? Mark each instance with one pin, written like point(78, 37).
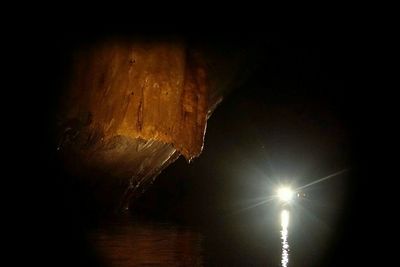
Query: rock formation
point(133, 107)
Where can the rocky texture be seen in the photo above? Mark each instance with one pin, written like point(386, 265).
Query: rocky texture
point(153, 91)
point(133, 107)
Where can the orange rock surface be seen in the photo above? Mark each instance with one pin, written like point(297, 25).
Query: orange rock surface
point(148, 90)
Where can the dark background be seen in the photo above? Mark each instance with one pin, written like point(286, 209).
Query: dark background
point(303, 111)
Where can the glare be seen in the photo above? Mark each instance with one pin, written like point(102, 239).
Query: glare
point(285, 194)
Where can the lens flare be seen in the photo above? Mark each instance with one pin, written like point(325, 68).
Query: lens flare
point(285, 194)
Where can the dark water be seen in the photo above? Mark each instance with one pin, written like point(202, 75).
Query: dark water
point(131, 243)
point(263, 237)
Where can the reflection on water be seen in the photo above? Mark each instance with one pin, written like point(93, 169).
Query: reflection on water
point(284, 236)
point(136, 244)
point(241, 241)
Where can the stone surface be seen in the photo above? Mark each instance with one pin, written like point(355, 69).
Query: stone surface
point(154, 91)
point(131, 109)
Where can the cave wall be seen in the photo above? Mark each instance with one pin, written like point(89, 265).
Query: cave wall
point(131, 109)
point(153, 91)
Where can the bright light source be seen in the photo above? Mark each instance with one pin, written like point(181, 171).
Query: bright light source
point(285, 194)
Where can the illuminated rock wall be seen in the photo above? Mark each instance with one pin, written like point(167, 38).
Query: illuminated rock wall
point(132, 108)
point(154, 91)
